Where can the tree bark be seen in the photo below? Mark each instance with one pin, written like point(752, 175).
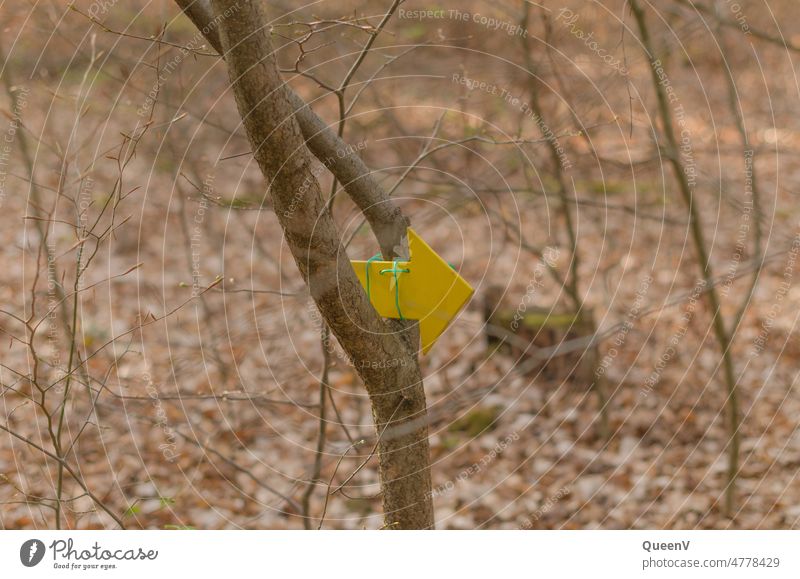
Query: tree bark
point(386, 361)
point(384, 216)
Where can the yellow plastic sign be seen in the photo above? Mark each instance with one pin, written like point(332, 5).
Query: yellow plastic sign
point(425, 288)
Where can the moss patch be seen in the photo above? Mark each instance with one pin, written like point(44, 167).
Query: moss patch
point(476, 421)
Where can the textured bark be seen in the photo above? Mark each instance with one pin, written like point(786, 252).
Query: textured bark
point(386, 361)
point(384, 216)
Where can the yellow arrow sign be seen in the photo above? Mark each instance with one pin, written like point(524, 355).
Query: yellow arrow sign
point(425, 288)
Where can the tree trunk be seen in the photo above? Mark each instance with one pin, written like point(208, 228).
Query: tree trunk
point(384, 359)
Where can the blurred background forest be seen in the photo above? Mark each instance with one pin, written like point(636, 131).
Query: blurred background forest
point(619, 187)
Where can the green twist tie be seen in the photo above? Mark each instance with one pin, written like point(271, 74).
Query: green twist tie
point(393, 270)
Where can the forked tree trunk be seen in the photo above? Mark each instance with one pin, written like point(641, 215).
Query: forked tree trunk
point(384, 359)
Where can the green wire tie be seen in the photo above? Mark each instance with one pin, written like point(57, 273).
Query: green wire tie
point(393, 270)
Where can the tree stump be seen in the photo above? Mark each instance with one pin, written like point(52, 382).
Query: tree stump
point(526, 330)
